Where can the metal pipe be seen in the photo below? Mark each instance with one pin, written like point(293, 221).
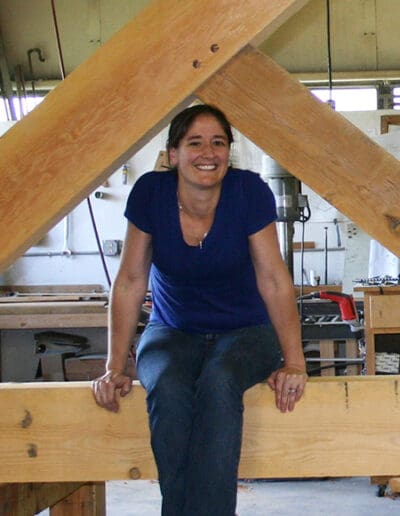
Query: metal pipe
point(41, 59)
point(66, 249)
point(348, 360)
point(5, 76)
point(326, 256)
point(21, 91)
point(50, 254)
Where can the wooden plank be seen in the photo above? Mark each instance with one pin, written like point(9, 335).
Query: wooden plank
point(37, 321)
point(352, 351)
point(58, 314)
point(394, 484)
point(107, 108)
point(327, 351)
point(311, 141)
point(385, 311)
point(93, 289)
point(29, 498)
point(345, 426)
point(88, 500)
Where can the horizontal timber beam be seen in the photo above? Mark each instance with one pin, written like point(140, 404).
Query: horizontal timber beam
point(344, 426)
point(111, 105)
point(312, 141)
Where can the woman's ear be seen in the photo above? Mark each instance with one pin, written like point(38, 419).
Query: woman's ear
point(172, 157)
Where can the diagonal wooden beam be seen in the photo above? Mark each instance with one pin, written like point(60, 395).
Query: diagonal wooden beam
point(109, 106)
point(344, 426)
point(312, 141)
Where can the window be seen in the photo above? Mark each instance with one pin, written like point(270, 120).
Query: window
point(350, 99)
point(24, 104)
point(396, 97)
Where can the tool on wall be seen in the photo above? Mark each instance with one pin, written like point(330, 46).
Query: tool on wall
point(291, 206)
point(339, 240)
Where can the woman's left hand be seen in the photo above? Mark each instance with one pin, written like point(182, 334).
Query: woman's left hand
point(289, 384)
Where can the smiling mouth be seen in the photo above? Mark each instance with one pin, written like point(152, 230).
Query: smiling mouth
point(206, 167)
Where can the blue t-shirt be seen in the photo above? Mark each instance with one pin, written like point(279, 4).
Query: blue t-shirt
point(212, 288)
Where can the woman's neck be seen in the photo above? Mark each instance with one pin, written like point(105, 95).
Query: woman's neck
point(198, 203)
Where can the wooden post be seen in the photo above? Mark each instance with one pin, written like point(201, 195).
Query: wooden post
point(88, 500)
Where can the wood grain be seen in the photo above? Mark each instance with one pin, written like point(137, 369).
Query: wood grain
point(312, 141)
point(344, 426)
point(111, 105)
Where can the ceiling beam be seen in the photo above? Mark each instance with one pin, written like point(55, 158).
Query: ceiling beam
point(111, 105)
point(312, 141)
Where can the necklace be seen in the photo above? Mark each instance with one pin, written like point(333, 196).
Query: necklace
point(199, 240)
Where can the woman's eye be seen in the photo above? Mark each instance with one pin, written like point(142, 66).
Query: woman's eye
point(219, 143)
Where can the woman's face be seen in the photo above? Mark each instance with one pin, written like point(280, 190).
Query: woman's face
point(202, 155)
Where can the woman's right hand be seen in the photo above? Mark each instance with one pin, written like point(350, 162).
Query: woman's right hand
point(105, 389)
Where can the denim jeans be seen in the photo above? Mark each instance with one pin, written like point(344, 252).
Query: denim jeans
point(195, 385)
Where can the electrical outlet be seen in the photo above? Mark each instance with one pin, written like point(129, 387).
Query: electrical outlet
point(112, 247)
point(352, 230)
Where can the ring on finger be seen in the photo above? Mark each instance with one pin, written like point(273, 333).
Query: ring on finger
point(292, 391)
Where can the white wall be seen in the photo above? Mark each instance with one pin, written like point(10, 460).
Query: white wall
point(57, 268)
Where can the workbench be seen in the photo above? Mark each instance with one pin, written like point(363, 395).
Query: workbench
point(82, 310)
point(382, 319)
point(53, 307)
point(78, 312)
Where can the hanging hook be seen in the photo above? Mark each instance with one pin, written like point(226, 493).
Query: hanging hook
point(41, 59)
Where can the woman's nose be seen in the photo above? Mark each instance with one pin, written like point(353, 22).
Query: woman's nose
point(208, 149)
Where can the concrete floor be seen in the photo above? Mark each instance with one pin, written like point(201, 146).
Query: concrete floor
point(331, 497)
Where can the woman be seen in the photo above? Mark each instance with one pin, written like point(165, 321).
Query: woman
point(224, 312)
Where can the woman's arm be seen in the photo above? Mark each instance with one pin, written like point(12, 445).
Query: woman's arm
point(276, 288)
point(127, 296)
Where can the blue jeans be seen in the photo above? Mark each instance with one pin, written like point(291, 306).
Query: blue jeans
point(195, 385)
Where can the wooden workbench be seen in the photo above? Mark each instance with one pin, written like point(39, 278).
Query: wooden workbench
point(53, 307)
point(382, 317)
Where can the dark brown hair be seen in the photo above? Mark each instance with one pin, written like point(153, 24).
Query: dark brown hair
point(183, 121)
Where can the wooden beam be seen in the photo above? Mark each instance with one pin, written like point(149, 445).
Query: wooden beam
point(345, 426)
point(112, 104)
point(311, 141)
point(27, 499)
point(88, 500)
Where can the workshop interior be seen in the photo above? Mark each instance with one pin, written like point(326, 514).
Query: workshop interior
point(336, 265)
point(340, 240)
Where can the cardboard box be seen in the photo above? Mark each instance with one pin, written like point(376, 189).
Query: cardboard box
point(89, 367)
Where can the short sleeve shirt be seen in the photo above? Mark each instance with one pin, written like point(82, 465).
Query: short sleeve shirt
point(212, 288)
